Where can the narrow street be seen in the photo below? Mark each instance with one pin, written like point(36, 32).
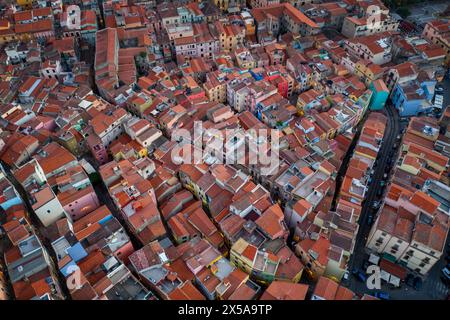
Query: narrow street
point(433, 288)
point(104, 198)
point(391, 132)
point(344, 165)
point(36, 225)
point(6, 291)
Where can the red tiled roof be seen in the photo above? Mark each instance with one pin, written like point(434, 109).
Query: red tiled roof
point(326, 288)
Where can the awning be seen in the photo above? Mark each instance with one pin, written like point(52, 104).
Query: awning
point(389, 257)
point(374, 259)
point(385, 276)
point(395, 281)
point(393, 269)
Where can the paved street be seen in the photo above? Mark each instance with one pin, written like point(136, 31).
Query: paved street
point(5, 285)
point(105, 198)
point(390, 135)
point(446, 84)
point(433, 288)
point(38, 229)
point(422, 13)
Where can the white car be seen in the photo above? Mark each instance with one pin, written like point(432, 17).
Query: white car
point(446, 273)
point(438, 101)
point(346, 275)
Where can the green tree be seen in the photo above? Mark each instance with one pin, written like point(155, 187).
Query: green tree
point(404, 12)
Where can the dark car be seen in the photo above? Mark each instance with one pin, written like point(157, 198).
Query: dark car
point(381, 295)
point(445, 276)
point(365, 264)
point(418, 283)
point(409, 280)
point(369, 219)
point(360, 275)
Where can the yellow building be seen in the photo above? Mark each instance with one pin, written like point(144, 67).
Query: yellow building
point(245, 59)
point(242, 255)
point(7, 33)
point(261, 265)
point(139, 103)
point(222, 4)
point(438, 32)
point(231, 36)
point(368, 71)
point(26, 4)
point(216, 87)
point(411, 165)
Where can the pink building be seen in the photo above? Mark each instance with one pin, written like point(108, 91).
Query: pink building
point(75, 192)
point(124, 252)
point(78, 203)
point(97, 149)
point(101, 218)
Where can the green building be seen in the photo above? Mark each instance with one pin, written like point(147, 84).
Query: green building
point(380, 94)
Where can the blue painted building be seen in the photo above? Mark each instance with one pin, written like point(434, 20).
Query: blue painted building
point(257, 76)
point(380, 94)
point(8, 194)
point(413, 98)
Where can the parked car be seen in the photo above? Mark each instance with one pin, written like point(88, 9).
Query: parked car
point(409, 280)
point(418, 283)
point(446, 272)
point(366, 264)
point(369, 219)
point(381, 295)
point(346, 276)
point(360, 275)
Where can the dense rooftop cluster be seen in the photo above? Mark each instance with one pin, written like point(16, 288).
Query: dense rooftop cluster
point(94, 204)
